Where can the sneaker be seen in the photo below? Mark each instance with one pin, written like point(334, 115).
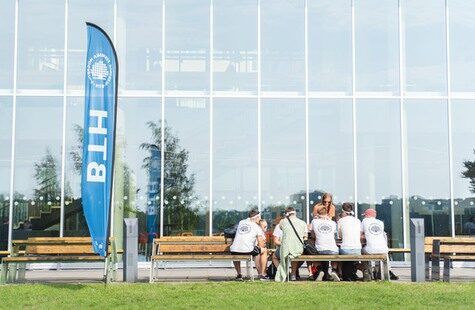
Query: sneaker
point(320, 275)
point(392, 276)
point(239, 278)
point(334, 275)
point(293, 278)
point(263, 278)
point(366, 275)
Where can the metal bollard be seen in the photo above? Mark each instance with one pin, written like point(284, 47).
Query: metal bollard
point(417, 251)
point(130, 250)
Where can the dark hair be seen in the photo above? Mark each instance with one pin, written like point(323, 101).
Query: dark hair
point(347, 207)
point(289, 209)
point(253, 213)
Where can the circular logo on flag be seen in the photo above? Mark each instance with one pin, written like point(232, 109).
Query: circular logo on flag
point(375, 229)
point(99, 70)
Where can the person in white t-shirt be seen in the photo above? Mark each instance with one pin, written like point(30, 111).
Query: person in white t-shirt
point(349, 230)
point(372, 230)
point(249, 240)
point(324, 231)
point(277, 236)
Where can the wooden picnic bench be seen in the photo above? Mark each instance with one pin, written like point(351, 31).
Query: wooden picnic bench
point(58, 250)
point(450, 250)
point(193, 248)
point(382, 258)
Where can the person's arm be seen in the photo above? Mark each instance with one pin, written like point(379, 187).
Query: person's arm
point(277, 240)
point(331, 212)
point(261, 242)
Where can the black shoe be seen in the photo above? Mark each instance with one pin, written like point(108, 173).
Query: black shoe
point(239, 278)
point(392, 276)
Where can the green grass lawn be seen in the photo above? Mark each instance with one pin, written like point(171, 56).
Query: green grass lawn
point(228, 295)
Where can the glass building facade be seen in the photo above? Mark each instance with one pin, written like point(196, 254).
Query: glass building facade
point(229, 105)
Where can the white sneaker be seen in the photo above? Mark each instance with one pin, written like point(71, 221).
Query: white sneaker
point(334, 276)
point(293, 278)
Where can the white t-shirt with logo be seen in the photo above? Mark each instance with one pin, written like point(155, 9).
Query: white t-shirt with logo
point(324, 230)
point(350, 229)
point(376, 242)
point(246, 236)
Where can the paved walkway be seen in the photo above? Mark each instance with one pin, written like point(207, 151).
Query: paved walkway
point(193, 275)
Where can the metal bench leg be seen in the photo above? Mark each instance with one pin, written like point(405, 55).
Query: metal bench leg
point(12, 272)
point(21, 271)
point(427, 260)
point(447, 269)
point(249, 268)
point(106, 270)
point(385, 270)
point(435, 268)
point(151, 271)
point(3, 275)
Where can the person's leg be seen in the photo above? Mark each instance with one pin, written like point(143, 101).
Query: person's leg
point(262, 262)
point(237, 266)
point(275, 260)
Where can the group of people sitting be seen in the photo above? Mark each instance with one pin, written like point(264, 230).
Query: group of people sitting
point(290, 233)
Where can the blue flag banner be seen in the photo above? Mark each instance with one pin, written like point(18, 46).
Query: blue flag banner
point(153, 192)
point(99, 135)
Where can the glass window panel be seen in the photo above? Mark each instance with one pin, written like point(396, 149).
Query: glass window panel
point(330, 136)
point(74, 221)
point(37, 167)
point(41, 44)
point(234, 160)
point(5, 165)
point(187, 45)
point(186, 175)
point(463, 149)
point(425, 57)
point(282, 45)
point(137, 169)
point(7, 37)
point(378, 142)
point(139, 44)
point(427, 159)
point(235, 45)
point(377, 46)
point(329, 46)
point(100, 13)
point(462, 49)
point(283, 157)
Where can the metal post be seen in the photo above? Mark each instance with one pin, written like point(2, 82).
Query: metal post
point(417, 251)
point(130, 249)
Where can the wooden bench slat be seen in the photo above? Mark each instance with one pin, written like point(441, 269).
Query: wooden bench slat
point(52, 258)
point(59, 249)
point(400, 250)
point(185, 239)
point(446, 248)
point(193, 248)
point(460, 257)
point(200, 257)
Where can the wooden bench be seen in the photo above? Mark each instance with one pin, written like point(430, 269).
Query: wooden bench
point(382, 258)
point(179, 248)
point(449, 250)
point(55, 249)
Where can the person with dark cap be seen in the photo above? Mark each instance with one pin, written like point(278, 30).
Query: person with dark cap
point(249, 240)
